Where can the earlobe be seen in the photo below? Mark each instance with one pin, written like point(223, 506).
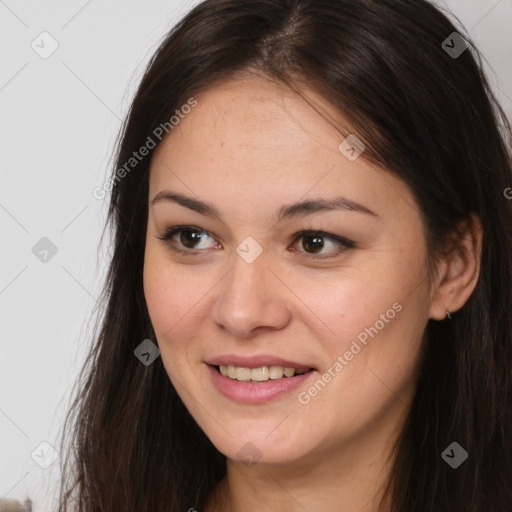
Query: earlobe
point(439, 309)
point(459, 272)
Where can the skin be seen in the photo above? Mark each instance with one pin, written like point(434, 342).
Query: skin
point(249, 147)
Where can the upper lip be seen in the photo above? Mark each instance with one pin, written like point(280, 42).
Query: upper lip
point(256, 361)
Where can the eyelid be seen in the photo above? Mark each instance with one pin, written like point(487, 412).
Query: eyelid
point(173, 230)
point(341, 241)
point(324, 234)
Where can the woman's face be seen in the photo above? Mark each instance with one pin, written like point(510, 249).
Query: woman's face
point(243, 288)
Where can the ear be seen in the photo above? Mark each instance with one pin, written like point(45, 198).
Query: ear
point(458, 271)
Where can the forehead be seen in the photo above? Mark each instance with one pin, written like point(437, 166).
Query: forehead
point(264, 141)
point(255, 116)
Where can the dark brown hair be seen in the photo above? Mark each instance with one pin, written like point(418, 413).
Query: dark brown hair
point(426, 116)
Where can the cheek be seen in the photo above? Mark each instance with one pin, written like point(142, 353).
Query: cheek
point(380, 350)
point(161, 304)
point(175, 297)
point(374, 320)
point(340, 307)
point(166, 305)
point(169, 294)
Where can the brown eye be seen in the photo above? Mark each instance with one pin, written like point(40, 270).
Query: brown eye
point(186, 239)
point(313, 243)
point(190, 238)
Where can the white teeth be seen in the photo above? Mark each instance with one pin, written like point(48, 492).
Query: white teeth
point(243, 373)
point(260, 374)
point(276, 372)
point(289, 372)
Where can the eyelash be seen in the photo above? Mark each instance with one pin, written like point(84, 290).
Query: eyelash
point(343, 242)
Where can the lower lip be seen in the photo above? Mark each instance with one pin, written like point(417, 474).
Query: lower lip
point(256, 393)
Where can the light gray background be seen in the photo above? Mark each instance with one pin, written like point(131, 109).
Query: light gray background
point(60, 117)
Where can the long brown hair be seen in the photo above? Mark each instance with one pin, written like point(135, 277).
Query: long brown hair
point(427, 115)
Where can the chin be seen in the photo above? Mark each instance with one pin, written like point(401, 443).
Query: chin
point(255, 446)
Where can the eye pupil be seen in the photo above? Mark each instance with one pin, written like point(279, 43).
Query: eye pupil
point(189, 238)
point(317, 243)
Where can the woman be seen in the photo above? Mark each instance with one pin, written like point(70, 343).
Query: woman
point(309, 294)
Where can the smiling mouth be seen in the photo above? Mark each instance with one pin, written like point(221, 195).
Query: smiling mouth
point(259, 374)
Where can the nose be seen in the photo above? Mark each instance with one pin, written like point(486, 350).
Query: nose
point(251, 298)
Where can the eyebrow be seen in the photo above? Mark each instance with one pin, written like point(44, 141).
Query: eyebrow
point(287, 211)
